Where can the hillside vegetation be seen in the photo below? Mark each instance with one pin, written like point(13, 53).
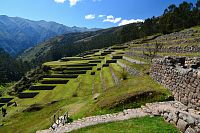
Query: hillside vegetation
point(10, 69)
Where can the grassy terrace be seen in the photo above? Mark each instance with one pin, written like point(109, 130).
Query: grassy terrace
point(138, 125)
point(76, 97)
point(97, 83)
point(107, 77)
point(117, 70)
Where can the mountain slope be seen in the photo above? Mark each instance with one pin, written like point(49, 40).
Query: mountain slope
point(76, 43)
point(18, 34)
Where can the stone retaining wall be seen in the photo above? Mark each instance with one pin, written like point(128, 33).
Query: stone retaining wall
point(172, 49)
point(141, 55)
point(130, 70)
point(181, 76)
point(133, 60)
point(115, 78)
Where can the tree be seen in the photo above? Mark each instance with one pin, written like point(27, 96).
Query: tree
point(198, 4)
point(172, 8)
point(151, 51)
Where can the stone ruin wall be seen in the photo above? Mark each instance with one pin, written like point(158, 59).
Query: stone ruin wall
point(181, 76)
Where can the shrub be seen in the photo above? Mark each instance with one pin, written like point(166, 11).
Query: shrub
point(75, 94)
point(69, 120)
point(124, 74)
point(34, 108)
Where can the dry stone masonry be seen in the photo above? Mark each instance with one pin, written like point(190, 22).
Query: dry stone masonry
point(130, 70)
point(182, 76)
point(115, 78)
point(133, 60)
point(172, 49)
point(185, 119)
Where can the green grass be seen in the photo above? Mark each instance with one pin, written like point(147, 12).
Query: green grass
point(97, 83)
point(117, 70)
point(119, 97)
point(107, 77)
point(86, 85)
point(29, 122)
point(138, 125)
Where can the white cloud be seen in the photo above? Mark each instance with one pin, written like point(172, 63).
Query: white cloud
point(125, 22)
point(59, 1)
point(73, 2)
point(112, 19)
point(96, 0)
point(90, 16)
point(101, 16)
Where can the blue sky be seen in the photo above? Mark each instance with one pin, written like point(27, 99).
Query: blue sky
point(86, 13)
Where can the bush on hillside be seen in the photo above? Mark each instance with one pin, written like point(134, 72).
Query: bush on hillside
point(124, 74)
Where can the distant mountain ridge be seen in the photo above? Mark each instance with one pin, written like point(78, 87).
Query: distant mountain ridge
point(18, 34)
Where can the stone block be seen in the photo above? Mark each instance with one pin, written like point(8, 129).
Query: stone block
point(190, 120)
point(190, 130)
point(182, 125)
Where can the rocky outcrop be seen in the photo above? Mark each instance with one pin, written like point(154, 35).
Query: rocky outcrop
point(181, 76)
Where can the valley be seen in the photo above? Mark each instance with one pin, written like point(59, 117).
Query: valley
point(134, 74)
point(97, 82)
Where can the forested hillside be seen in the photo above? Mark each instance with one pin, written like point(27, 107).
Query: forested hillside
point(10, 69)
